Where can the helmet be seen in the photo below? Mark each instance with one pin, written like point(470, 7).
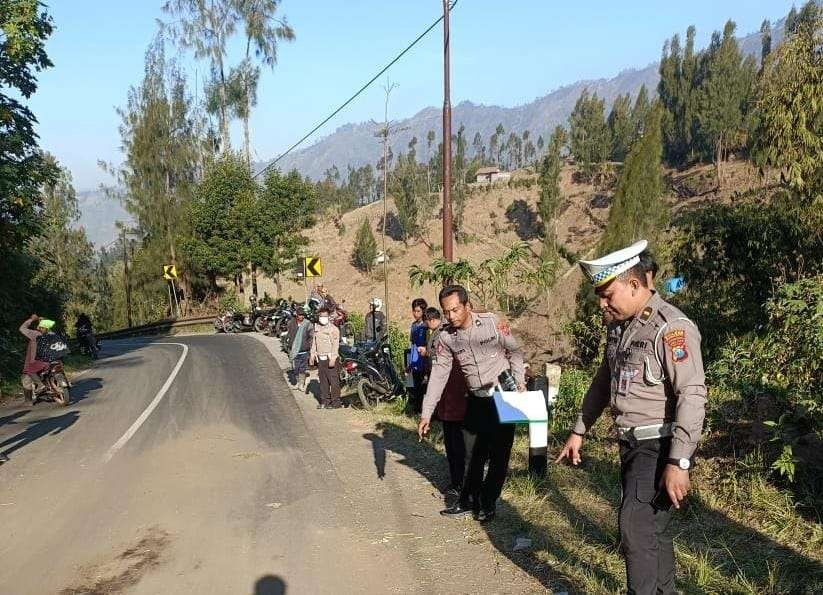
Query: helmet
point(376, 303)
point(46, 324)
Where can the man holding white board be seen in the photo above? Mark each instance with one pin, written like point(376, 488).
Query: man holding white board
point(474, 341)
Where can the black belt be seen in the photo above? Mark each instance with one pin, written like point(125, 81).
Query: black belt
point(480, 393)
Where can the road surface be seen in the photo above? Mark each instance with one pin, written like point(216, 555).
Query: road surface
point(183, 466)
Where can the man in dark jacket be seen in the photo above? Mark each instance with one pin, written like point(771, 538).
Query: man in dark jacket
point(450, 410)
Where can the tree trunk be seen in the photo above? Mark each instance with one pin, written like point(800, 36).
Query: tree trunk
point(253, 278)
point(224, 118)
point(718, 158)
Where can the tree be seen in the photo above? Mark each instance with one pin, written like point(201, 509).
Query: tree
point(206, 27)
point(638, 211)
point(765, 41)
point(458, 180)
point(621, 127)
point(589, 134)
point(365, 248)
point(789, 110)
point(63, 252)
point(23, 34)
point(263, 32)
point(161, 144)
point(640, 110)
point(479, 147)
point(285, 207)
point(790, 26)
point(410, 196)
point(213, 245)
point(722, 98)
point(498, 144)
point(549, 181)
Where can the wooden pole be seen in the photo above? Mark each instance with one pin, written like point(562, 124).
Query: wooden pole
point(448, 246)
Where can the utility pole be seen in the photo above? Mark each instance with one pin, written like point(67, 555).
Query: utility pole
point(385, 134)
point(126, 278)
point(448, 247)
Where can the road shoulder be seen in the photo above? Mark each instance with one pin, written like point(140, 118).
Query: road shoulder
point(395, 500)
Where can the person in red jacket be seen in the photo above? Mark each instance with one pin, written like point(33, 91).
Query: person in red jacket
point(451, 409)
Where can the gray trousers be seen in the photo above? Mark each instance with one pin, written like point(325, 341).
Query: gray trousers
point(645, 542)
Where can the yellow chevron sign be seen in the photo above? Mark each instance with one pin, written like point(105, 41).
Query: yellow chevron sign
point(169, 271)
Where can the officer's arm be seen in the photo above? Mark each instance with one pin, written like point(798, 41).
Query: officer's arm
point(684, 367)
point(514, 354)
point(441, 367)
point(595, 401)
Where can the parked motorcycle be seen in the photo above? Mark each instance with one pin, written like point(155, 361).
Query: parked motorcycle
point(368, 368)
point(225, 322)
point(57, 385)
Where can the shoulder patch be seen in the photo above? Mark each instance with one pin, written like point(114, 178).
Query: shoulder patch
point(676, 341)
point(646, 313)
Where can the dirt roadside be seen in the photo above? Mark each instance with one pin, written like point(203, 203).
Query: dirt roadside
point(395, 502)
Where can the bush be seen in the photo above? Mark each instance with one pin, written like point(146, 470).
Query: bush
point(778, 373)
point(573, 386)
point(230, 301)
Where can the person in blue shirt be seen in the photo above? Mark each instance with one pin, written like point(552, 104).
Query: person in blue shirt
point(417, 360)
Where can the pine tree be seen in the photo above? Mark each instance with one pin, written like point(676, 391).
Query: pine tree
point(789, 135)
point(638, 211)
point(790, 25)
point(549, 181)
point(621, 127)
point(640, 110)
point(365, 248)
point(765, 41)
point(722, 98)
point(589, 133)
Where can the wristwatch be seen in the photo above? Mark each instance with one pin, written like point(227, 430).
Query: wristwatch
point(684, 464)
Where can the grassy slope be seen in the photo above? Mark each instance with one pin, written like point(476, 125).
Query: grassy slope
point(739, 535)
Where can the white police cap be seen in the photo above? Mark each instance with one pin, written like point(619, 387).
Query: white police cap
point(602, 270)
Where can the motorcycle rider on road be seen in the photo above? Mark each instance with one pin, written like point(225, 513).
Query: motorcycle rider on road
point(32, 366)
point(85, 333)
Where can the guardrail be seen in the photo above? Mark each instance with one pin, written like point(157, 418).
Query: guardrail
point(156, 327)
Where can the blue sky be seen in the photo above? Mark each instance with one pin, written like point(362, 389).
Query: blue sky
point(502, 53)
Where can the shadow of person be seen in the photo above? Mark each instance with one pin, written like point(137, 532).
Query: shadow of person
point(379, 452)
point(269, 585)
point(424, 458)
point(80, 390)
point(313, 389)
point(735, 552)
point(37, 429)
point(10, 419)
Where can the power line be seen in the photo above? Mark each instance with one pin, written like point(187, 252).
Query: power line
point(353, 97)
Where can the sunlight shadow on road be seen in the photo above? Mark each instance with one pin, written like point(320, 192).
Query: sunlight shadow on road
point(379, 453)
point(50, 426)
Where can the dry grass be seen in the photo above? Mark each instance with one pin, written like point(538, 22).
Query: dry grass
point(739, 535)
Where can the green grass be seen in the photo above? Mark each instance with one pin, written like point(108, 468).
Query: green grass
point(741, 534)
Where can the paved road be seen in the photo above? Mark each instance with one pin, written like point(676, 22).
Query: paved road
point(207, 482)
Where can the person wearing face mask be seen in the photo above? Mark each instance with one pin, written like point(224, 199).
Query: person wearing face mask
point(324, 346)
point(652, 378)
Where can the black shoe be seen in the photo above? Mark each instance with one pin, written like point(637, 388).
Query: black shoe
point(456, 511)
point(485, 516)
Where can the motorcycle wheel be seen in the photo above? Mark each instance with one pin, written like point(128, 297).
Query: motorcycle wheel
point(259, 325)
point(59, 392)
point(370, 394)
point(282, 326)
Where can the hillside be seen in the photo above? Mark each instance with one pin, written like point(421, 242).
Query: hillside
point(583, 216)
point(354, 143)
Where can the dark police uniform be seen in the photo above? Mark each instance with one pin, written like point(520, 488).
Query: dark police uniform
point(652, 377)
point(483, 352)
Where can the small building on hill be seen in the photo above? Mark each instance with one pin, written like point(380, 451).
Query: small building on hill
point(488, 175)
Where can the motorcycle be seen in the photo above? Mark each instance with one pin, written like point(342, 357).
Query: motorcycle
point(87, 341)
point(278, 320)
point(225, 322)
point(368, 368)
point(57, 385)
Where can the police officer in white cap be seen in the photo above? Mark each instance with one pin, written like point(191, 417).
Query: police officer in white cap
point(652, 377)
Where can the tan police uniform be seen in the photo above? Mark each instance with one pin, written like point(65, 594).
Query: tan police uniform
point(652, 378)
point(482, 352)
point(324, 347)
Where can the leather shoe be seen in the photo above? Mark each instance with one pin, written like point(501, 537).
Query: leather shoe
point(485, 516)
point(456, 511)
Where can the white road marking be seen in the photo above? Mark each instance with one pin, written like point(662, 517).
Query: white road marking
point(155, 402)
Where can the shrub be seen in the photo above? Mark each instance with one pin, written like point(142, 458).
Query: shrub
point(230, 301)
point(365, 248)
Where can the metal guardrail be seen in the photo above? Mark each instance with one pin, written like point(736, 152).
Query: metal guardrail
point(155, 327)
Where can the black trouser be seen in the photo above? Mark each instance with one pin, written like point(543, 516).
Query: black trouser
point(455, 452)
point(646, 546)
point(329, 384)
point(486, 439)
point(417, 391)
